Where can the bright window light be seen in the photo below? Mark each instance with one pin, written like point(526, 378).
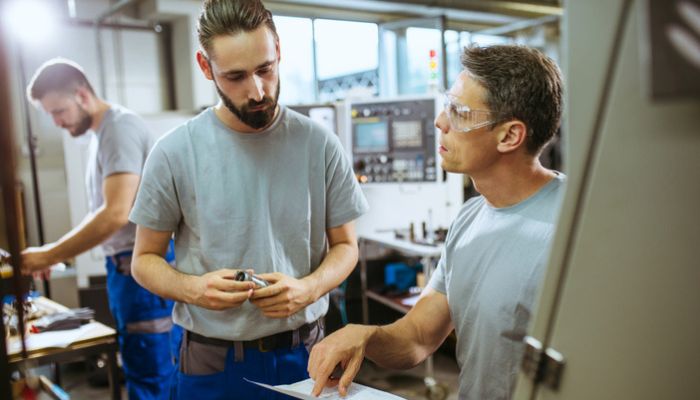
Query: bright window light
point(345, 47)
point(30, 21)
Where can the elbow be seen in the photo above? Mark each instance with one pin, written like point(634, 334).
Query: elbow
point(117, 219)
point(353, 249)
point(136, 272)
point(419, 355)
point(354, 252)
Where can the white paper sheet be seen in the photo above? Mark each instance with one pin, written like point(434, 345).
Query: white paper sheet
point(302, 390)
point(59, 338)
point(410, 301)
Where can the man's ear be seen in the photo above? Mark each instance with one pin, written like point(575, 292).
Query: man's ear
point(277, 49)
point(512, 136)
point(82, 95)
point(204, 65)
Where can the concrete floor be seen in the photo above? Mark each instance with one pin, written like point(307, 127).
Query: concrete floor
point(408, 384)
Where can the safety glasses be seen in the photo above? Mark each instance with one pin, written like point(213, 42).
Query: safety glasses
point(464, 119)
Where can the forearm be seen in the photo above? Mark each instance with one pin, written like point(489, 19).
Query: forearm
point(397, 346)
point(400, 345)
point(155, 274)
point(411, 339)
point(93, 230)
point(334, 268)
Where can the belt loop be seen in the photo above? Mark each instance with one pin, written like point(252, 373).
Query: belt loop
point(238, 352)
point(295, 338)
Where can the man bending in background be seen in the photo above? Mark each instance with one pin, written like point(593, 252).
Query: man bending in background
point(147, 335)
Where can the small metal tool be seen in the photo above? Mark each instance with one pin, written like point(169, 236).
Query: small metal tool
point(245, 276)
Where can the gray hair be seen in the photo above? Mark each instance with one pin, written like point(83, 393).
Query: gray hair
point(521, 83)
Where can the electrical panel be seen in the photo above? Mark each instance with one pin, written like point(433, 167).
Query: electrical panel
point(394, 141)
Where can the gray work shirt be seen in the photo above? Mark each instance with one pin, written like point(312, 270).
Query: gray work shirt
point(260, 201)
point(491, 270)
point(121, 145)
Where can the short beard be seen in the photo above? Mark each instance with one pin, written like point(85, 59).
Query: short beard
point(83, 125)
point(254, 119)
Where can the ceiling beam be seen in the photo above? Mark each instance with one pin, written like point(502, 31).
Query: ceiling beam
point(526, 9)
point(387, 11)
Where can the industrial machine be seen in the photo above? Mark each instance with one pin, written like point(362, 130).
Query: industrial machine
point(392, 144)
point(394, 141)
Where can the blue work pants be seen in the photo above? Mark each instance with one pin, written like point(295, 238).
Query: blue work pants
point(148, 339)
point(215, 372)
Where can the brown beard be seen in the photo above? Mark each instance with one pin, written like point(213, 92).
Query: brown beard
point(254, 119)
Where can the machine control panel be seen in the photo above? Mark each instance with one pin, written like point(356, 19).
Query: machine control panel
point(394, 141)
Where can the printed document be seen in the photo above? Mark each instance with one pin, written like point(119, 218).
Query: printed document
point(302, 390)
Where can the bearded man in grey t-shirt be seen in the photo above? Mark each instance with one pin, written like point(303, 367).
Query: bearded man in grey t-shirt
point(246, 185)
point(147, 336)
point(499, 114)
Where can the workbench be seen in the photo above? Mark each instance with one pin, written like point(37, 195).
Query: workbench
point(91, 339)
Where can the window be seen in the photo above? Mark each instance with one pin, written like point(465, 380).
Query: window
point(454, 52)
point(345, 47)
point(296, 65)
point(420, 42)
point(455, 42)
point(489, 40)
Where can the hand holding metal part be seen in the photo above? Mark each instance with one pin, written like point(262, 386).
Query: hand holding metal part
point(284, 296)
point(219, 290)
point(247, 276)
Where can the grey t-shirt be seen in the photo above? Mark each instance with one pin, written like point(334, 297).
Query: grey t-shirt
point(261, 201)
point(121, 144)
point(490, 270)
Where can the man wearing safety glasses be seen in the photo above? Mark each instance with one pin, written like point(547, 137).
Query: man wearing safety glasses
point(499, 114)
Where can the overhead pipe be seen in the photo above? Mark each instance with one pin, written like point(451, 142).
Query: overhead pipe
point(514, 8)
point(518, 26)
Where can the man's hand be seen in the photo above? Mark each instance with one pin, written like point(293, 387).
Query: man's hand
point(218, 290)
point(35, 259)
point(284, 297)
point(345, 347)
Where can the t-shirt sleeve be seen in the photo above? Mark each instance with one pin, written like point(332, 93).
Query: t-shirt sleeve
point(122, 147)
point(345, 200)
point(157, 206)
point(437, 279)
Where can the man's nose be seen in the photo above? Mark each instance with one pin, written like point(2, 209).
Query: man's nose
point(442, 122)
point(255, 91)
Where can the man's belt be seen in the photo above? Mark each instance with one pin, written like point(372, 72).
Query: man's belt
point(282, 340)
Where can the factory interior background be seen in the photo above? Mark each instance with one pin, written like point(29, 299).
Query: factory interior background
point(618, 310)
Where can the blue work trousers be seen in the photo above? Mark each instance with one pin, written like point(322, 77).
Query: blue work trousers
point(148, 339)
point(216, 373)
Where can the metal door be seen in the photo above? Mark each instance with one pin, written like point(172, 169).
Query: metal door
point(621, 297)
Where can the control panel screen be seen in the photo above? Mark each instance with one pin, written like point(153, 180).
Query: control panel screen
point(394, 141)
point(408, 133)
point(371, 137)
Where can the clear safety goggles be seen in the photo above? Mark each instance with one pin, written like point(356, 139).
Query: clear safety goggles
point(464, 119)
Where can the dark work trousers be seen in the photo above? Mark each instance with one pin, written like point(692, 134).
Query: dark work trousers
point(217, 371)
point(148, 339)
